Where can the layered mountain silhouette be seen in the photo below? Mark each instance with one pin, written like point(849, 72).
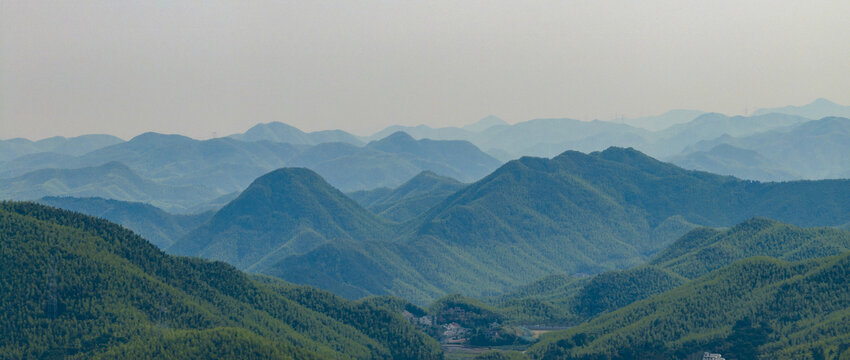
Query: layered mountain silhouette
point(575, 214)
point(818, 109)
point(112, 180)
point(14, 148)
point(155, 225)
point(409, 200)
point(283, 133)
point(815, 149)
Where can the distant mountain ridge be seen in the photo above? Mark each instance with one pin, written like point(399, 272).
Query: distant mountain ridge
point(112, 180)
point(818, 109)
point(409, 200)
point(816, 149)
point(13, 148)
point(283, 133)
point(155, 225)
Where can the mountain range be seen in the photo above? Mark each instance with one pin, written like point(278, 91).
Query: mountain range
point(573, 214)
point(815, 149)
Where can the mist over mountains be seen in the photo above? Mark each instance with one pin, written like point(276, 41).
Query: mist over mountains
point(633, 233)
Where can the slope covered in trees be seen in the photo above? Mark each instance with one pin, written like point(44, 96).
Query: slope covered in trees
point(73, 286)
point(153, 224)
point(573, 214)
point(288, 211)
point(409, 200)
point(756, 308)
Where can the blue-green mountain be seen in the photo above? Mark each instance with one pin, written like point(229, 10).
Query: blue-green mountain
point(283, 133)
point(111, 180)
point(154, 224)
point(816, 149)
point(285, 212)
point(409, 200)
point(14, 148)
point(575, 214)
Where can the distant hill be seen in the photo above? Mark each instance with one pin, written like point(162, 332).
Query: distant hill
point(818, 109)
point(816, 149)
point(285, 212)
point(227, 165)
point(283, 133)
point(725, 159)
point(675, 139)
point(573, 214)
point(755, 308)
point(13, 148)
point(112, 180)
point(86, 288)
point(663, 121)
point(409, 200)
point(391, 161)
point(150, 222)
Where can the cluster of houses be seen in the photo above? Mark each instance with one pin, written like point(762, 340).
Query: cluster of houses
point(426, 320)
point(453, 333)
point(710, 356)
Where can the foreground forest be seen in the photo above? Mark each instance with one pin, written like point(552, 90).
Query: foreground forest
point(74, 286)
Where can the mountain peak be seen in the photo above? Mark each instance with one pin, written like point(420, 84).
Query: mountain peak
point(485, 123)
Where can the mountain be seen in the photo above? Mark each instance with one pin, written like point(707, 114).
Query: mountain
point(409, 200)
point(818, 109)
point(285, 212)
point(755, 308)
point(663, 121)
point(283, 133)
point(112, 180)
point(14, 148)
point(549, 137)
point(675, 139)
point(86, 288)
point(725, 159)
point(391, 161)
point(571, 301)
point(573, 214)
point(223, 164)
point(703, 251)
point(816, 149)
point(485, 123)
point(150, 222)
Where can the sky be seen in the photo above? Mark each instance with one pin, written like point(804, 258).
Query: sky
point(213, 68)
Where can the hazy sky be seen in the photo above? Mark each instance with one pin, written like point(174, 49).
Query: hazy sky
point(197, 67)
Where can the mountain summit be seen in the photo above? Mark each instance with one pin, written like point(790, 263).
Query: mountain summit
point(287, 211)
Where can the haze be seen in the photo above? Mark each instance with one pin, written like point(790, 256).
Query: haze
point(218, 67)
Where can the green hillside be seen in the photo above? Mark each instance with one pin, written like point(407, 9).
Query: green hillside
point(755, 308)
point(288, 211)
point(693, 255)
point(576, 214)
point(73, 286)
point(409, 200)
point(153, 224)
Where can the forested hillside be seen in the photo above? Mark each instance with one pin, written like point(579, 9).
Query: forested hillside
point(755, 308)
point(73, 286)
point(574, 214)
